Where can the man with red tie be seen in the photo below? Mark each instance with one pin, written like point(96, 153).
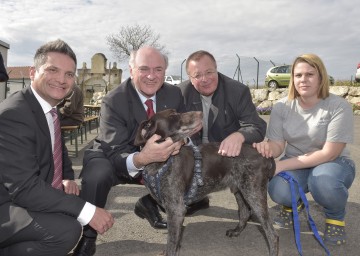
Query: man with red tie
point(40, 211)
point(114, 159)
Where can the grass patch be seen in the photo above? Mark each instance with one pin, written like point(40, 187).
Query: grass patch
point(346, 83)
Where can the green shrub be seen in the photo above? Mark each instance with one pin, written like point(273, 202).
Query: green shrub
point(356, 106)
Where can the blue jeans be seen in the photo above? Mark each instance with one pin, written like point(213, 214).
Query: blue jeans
point(328, 184)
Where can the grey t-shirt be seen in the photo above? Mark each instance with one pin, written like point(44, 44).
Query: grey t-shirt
point(306, 131)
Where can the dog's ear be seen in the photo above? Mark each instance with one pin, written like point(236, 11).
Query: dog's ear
point(143, 133)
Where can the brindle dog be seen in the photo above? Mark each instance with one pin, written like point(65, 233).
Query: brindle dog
point(246, 175)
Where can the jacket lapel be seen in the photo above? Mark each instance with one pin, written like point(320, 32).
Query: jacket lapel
point(41, 121)
point(38, 112)
point(135, 104)
point(161, 100)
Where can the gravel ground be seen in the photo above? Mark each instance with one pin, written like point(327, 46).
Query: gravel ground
point(204, 232)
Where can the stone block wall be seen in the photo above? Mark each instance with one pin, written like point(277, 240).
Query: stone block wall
point(265, 98)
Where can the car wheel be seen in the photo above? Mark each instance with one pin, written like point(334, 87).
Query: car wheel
point(273, 84)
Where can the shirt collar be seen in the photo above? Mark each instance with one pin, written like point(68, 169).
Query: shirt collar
point(143, 98)
point(46, 107)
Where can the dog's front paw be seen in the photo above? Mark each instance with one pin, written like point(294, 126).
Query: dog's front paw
point(233, 232)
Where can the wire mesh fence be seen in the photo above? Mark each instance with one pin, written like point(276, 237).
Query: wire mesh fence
point(251, 71)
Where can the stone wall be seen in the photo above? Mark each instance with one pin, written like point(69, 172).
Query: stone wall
point(265, 98)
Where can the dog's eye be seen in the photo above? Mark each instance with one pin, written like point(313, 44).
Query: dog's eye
point(148, 125)
point(173, 116)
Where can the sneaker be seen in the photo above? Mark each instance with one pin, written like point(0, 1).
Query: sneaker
point(335, 232)
point(285, 217)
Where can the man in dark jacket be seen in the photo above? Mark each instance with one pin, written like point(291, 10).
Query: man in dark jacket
point(40, 212)
point(229, 116)
point(72, 108)
point(3, 75)
point(114, 159)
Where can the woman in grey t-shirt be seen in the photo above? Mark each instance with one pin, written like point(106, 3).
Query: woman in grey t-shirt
point(309, 130)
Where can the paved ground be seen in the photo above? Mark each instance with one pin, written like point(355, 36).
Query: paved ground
point(204, 232)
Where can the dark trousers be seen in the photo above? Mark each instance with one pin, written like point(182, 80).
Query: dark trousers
point(48, 234)
point(98, 177)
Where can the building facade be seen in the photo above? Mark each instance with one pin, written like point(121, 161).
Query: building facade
point(19, 78)
point(98, 78)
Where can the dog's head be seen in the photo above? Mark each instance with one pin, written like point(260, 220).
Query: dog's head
point(169, 123)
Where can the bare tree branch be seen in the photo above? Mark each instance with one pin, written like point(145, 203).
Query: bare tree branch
point(132, 38)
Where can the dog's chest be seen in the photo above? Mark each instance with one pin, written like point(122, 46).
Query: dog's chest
point(157, 176)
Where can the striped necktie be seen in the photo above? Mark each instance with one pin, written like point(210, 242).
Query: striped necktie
point(150, 110)
point(57, 153)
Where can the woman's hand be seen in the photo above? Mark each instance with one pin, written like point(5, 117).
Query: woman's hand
point(263, 148)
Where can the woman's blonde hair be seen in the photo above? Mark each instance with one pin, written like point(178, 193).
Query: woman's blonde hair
point(314, 61)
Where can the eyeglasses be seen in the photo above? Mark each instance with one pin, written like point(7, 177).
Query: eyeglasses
point(143, 70)
point(207, 74)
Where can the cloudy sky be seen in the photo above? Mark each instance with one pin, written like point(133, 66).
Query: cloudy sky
point(233, 30)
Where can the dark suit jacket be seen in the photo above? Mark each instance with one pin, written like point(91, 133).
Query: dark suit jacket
point(121, 114)
point(3, 74)
point(234, 111)
point(26, 166)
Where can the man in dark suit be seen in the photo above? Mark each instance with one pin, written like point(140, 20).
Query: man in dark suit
point(37, 218)
point(114, 159)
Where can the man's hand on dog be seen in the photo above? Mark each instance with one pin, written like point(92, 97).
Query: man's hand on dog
point(154, 151)
point(231, 145)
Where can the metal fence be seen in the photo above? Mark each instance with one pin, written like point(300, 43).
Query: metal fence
point(251, 71)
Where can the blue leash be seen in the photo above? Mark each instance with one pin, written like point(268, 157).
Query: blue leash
point(292, 181)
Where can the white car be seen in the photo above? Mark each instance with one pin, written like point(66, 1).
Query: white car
point(357, 75)
point(174, 80)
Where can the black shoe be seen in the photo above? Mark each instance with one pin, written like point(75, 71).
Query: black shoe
point(146, 207)
point(85, 247)
point(202, 204)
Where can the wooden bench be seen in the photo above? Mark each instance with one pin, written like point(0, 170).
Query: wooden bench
point(90, 119)
point(72, 132)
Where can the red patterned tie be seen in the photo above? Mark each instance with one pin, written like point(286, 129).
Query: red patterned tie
point(57, 153)
point(150, 110)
